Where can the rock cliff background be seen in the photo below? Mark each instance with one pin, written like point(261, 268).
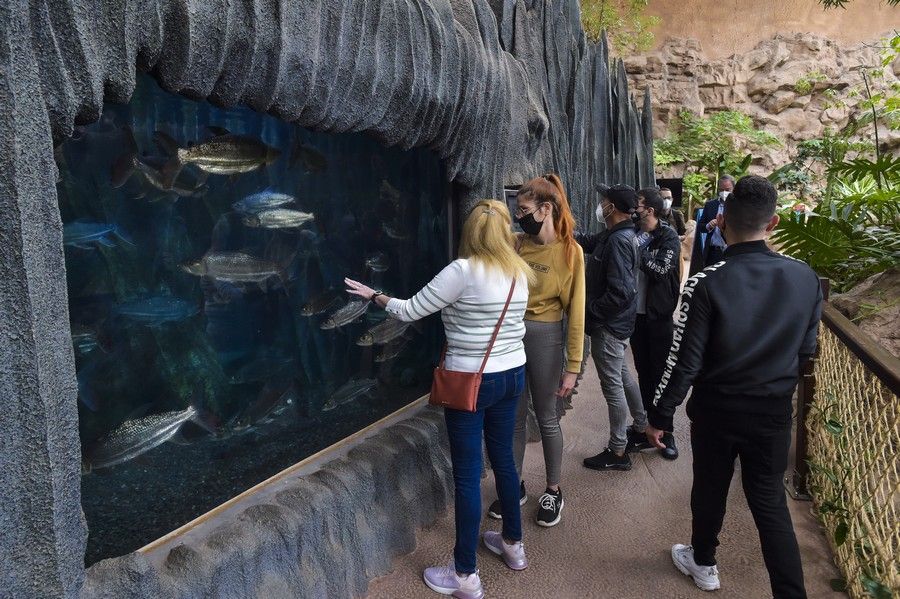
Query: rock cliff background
point(782, 83)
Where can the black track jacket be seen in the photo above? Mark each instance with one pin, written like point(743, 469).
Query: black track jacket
point(661, 264)
point(609, 263)
point(741, 333)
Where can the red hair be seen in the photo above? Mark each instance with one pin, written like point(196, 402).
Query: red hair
point(549, 188)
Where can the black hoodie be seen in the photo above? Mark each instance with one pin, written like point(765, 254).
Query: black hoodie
point(660, 264)
point(610, 280)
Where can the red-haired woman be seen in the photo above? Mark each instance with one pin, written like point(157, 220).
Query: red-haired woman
point(550, 249)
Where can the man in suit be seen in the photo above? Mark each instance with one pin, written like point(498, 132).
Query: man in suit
point(712, 249)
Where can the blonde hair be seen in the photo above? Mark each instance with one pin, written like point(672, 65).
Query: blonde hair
point(487, 239)
point(549, 189)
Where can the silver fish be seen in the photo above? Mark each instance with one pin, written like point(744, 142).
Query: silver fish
point(158, 310)
point(233, 267)
point(391, 350)
point(377, 262)
point(383, 332)
point(321, 302)
point(348, 392)
point(229, 154)
point(347, 314)
point(82, 234)
point(395, 231)
point(278, 218)
point(264, 200)
point(135, 437)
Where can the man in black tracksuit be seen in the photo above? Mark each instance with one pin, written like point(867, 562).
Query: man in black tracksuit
point(743, 330)
point(658, 286)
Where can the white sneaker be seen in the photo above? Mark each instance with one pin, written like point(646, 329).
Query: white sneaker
point(705, 577)
point(446, 581)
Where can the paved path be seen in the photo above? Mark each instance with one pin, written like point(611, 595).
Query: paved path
point(617, 528)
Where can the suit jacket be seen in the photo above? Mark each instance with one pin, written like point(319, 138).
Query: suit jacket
point(700, 255)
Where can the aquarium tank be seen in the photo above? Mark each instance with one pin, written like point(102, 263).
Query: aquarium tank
point(214, 342)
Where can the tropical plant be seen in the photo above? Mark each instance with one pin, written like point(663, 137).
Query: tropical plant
point(707, 147)
point(851, 230)
point(624, 21)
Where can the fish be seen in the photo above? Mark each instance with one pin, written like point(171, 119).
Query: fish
point(157, 311)
point(135, 437)
point(84, 339)
point(186, 184)
point(225, 154)
point(273, 400)
point(322, 302)
point(383, 332)
point(263, 200)
point(377, 262)
point(234, 267)
point(347, 314)
point(278, 218)
point(391, 350)
point(394, 231)
point(348, 392)
point(84, 234)
point(310, 158)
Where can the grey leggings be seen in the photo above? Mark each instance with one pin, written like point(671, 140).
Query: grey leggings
point(543, 367)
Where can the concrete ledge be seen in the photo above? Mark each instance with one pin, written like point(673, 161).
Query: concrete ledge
point(323, 533)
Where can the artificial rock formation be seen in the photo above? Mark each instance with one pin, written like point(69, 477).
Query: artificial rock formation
point(501, 90)
point(874, 305)
point(781, 84)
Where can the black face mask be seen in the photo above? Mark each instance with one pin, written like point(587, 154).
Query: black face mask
point(529, 225)
point(637, 217)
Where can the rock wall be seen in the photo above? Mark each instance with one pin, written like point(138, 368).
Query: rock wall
point(501, 90)
point(727, 27)
point(764, 84)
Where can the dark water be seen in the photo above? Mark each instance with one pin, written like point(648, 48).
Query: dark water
point(200, 372)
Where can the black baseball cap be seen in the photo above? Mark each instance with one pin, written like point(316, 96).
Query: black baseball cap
point(623, 197)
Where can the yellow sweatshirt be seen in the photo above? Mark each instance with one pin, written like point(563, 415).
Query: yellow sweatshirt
point(558, 290)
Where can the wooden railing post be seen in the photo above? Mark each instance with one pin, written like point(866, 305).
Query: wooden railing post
point(796, 481)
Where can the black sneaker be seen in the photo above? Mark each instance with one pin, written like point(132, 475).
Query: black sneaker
point(496, 512)
point(550, 512)
point(607, 460)
point(636, 441)
point(670, 452)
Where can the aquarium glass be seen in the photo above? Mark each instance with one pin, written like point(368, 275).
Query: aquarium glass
point(214, 344)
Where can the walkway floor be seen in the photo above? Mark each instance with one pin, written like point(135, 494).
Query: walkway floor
point(616, 531)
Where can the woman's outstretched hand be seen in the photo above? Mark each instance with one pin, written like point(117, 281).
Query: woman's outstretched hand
point(357, 288)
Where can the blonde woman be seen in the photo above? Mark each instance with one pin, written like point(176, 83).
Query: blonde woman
point(470, 293)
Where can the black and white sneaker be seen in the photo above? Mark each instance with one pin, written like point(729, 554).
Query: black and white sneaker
point(496, 512)
point(636, 441)
point(550, 512)
point(608, 460)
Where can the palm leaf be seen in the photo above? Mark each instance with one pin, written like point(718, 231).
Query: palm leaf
point(819, 241)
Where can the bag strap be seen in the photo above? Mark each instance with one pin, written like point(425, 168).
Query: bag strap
point(497, 328)
point(493, 337)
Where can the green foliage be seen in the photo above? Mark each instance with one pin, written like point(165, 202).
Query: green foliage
point(709, 147)
point(851, 232)
point(806, 83)
point(624, 21)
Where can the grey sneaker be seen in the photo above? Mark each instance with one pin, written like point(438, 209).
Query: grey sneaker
point(446, 581)
point(705, 577)
point(513, 555)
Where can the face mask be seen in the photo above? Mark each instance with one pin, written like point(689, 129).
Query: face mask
point(637, 217)
point(601, 213)
point(529, 225)
point(723, 195)
point(667, 203)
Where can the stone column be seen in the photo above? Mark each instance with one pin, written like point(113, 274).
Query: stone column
point(42, 528)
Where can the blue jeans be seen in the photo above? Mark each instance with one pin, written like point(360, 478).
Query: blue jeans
point(496, 419)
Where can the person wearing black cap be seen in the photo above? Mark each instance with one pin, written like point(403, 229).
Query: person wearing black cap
point(743, 330)
point(609, 319)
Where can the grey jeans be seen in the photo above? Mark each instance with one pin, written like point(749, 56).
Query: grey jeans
point(619, 388)
point(544, 364)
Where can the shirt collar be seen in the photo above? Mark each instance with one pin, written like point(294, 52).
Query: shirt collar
point(748, 247)
point(625, 224)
